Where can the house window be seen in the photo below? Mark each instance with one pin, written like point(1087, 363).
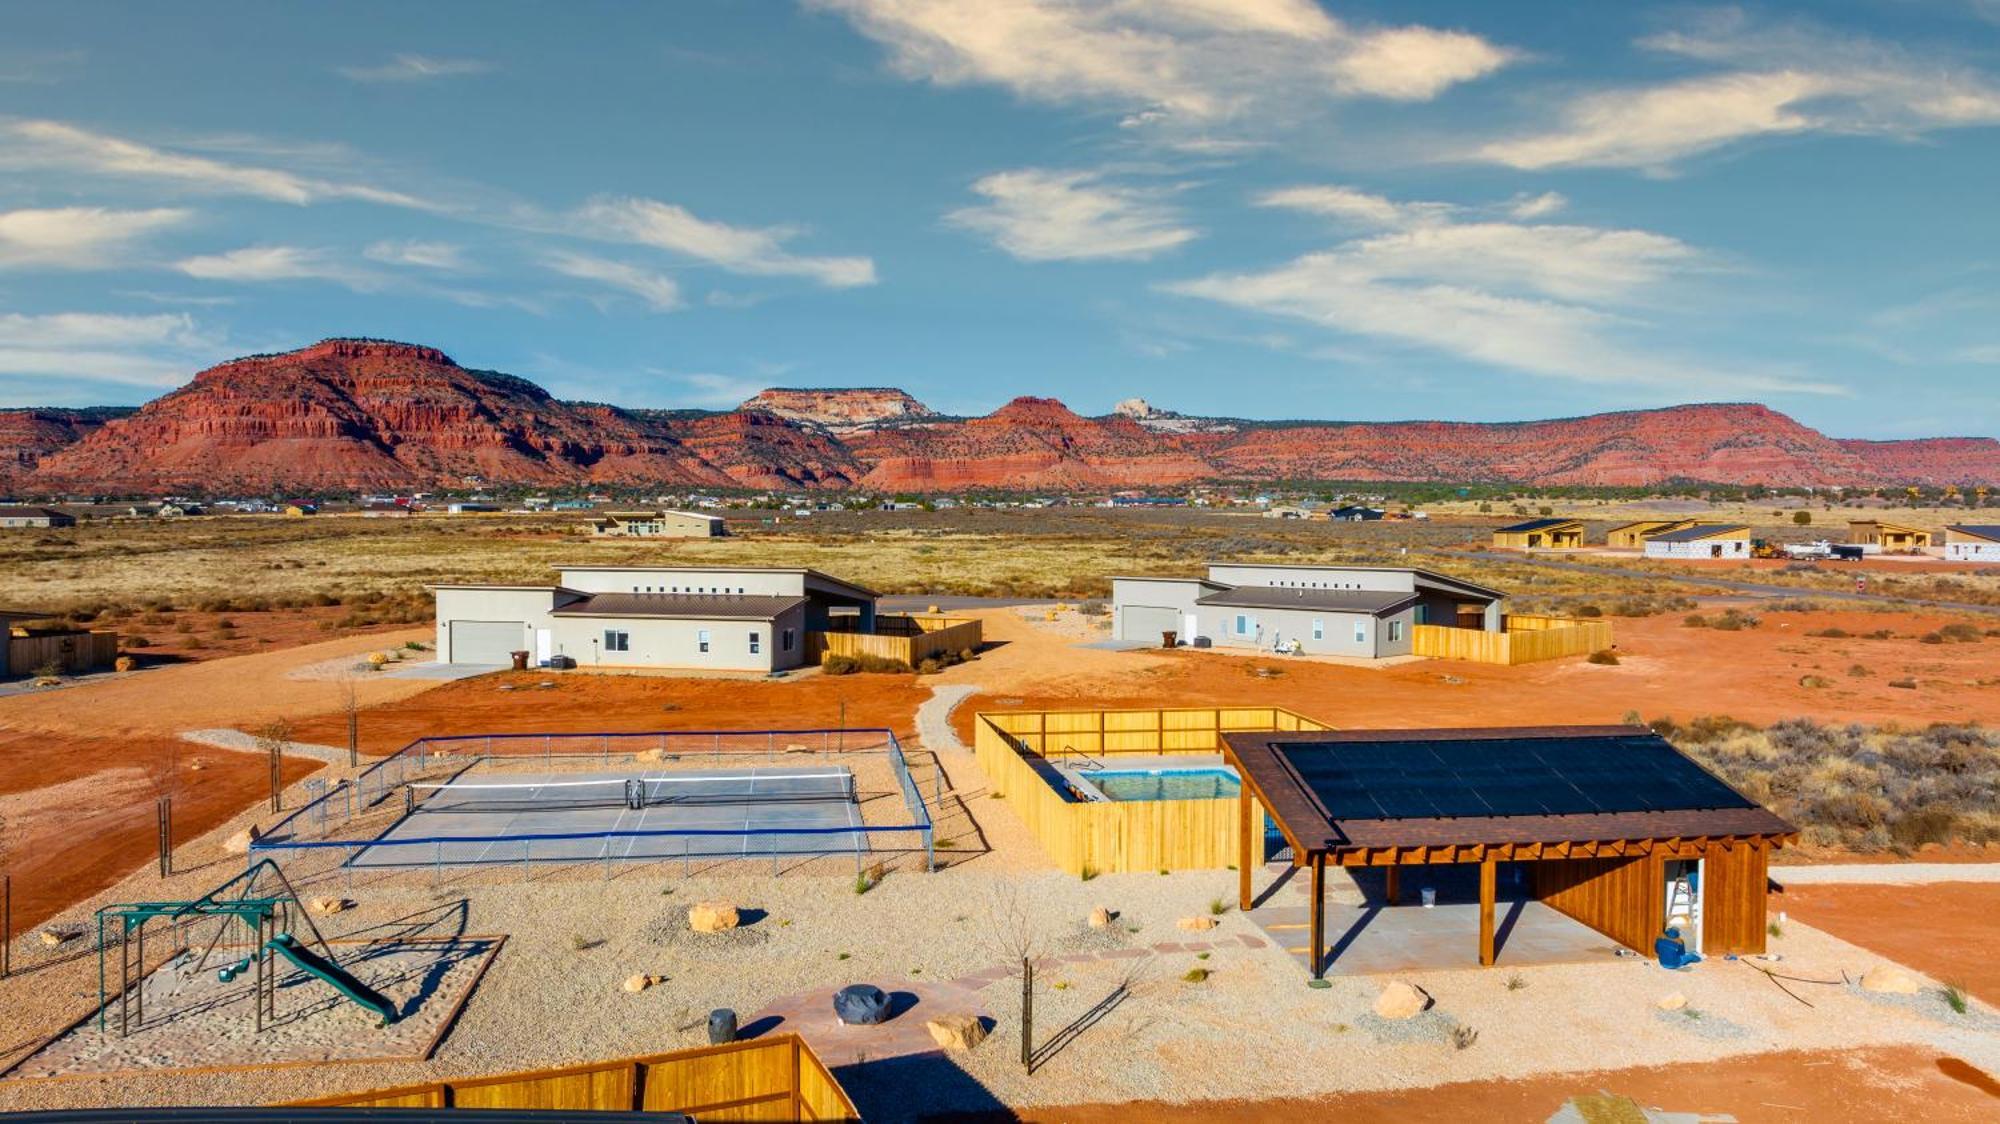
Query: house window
point(1361, 632)
point(1242, 625)
point(701, 640)
point(787, 639)
point(1319, 629)
point(1395, 631)
point(617, 641)
point(756, 643)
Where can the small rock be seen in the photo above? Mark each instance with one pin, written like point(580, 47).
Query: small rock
point(712, 917)
point(54, 938)
point(239, 843)
point(1100, 917)
point(956, 1032)
point(331, 905)
point(1402, 1000)
point(1672, 1002)
point(641, 982)
point(1195, 924)
point(197, 765)
point(1889, 980)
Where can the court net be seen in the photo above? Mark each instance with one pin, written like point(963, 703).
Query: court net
point(632, 793)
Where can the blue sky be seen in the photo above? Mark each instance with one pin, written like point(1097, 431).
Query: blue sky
point(1264, 208)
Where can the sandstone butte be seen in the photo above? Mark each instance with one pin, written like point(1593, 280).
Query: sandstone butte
point(349, 413)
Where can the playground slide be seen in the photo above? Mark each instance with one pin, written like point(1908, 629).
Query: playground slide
point(313, 964)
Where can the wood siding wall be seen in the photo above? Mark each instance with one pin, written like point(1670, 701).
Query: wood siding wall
point(1528, 639)
point(75, 652)
point(1734, 881)
point(1623, 898)
point(927, 637)
point(1118, 837)
point(765, 1079)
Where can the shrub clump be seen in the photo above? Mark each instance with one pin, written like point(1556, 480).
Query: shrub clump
point(1604, 656)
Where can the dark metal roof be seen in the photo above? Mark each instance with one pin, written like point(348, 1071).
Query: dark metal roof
point(1535, 525)
point(809, 572)
point(1977, 530)
point(15, 511)
point(1421, 573)
point(1323, 600)
point(1412, 788)
point(677, 606)
point(1701, 531)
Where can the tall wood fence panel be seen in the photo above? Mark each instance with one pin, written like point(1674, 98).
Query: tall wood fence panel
point(927, 637)
point(1528, 639)
point(1015, 749)
point(73, 652)
point(761, 1080)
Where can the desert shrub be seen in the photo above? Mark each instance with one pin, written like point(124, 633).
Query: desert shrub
point(929, 667)
point(840, 665)
point(1903, 684)
point(1814, 681)
point(967, 655)
point(1859, 671)
point(1925, 825)
point(134, 642)
point(1694, 620)
point(1830, 633)
point(1960, 633)
point(1734, 620)
point(1092, 608)
point(1930, 638)
point(1588, 611)
point(1802, 518)
point(1604, 656)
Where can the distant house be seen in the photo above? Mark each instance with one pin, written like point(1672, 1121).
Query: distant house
point(1540, 534)
point(471, 508)
point(1286, 511)
point(172, 510)
point(1702, 541)
point(1354, 513)
point(1889, 538)
point(1972, 543)
point(658, 525)
point(1633, 536)
point(35, 517)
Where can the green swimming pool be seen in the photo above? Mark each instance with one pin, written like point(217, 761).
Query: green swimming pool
point(1165, 784)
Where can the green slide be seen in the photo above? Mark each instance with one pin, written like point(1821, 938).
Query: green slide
point(313, 964)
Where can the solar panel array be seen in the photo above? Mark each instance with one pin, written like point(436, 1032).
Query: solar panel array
point(1546, 776)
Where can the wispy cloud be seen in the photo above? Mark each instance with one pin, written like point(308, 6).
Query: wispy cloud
point(719, 391)
point(59, 349)
point(1181, 62)
point(56, 144)
point(77, 237)
point(416, 252)
point(1039, 214)
point(263, 264)
point(1772, 80)
point(416, 68)
point(1551, 300)
point(758, 251)
point(1351, 205)
point(660, 292)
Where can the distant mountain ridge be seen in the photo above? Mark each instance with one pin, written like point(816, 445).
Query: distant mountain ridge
point(351, 413)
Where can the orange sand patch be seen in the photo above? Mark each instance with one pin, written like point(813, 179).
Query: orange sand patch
point(1943, 929)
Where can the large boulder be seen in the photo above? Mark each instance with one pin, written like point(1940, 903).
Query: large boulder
point(641, 982)
point(1100, 917)
point(712, 917)
point(1889, 980)
point(1402, 1000)
point(330, 905)
point(861, 1005)
point(1673, 1002)
point(239, 843)
point(1196, 924)
point(956, 1032)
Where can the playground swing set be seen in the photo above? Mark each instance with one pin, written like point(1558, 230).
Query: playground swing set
point(267, 919)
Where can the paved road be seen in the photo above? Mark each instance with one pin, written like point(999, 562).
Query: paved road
point(1732, 584)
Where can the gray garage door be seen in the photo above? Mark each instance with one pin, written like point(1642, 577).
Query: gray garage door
point(485, 641)
point(1146, 622)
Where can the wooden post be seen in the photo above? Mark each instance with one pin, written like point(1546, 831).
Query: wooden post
point(1243, 850)
point(1489, 869)
point(1318, 913)
point(277, 775)
point(1392, 885)
point(164, 810)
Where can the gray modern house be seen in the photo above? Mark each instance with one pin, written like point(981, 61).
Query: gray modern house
point(1361, 611)
point(694, 617)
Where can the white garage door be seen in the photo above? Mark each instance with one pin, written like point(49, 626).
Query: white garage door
point(1147, 622)
point(485, 641)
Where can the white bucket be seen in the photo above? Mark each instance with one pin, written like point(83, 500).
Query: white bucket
point(1430, 896)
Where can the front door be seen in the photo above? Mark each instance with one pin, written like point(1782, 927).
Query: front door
point(1683, 900)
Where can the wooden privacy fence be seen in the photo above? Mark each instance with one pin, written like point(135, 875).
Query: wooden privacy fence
point(910, 640)
point(1528, 639)
point(1118, 837)
point(765, 1079)
point(73, 652)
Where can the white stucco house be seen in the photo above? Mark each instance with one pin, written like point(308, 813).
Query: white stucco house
point(1360, 611)
point(1707, 540)
point(694, 617)
point(1972, 543)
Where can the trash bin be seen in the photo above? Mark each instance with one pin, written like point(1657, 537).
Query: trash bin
point(1430, 896)
point(721, 1026)
point(1167, 639)
point(520, 660)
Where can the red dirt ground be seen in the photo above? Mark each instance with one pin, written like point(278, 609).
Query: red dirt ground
point(1945, 930)
point(1870, 1084)
point(584, 702)
point(77, 823)
point(206, 638)
point(1667, 669)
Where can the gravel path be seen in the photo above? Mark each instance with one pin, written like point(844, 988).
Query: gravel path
point(934, 717)
point(238, 740)
point(1898, 874)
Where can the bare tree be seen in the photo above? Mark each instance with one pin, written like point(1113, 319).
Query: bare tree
point(1014, 935)
point(350, 705)
point(272, 737)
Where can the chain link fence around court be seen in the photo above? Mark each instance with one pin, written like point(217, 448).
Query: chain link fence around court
point(616, 798)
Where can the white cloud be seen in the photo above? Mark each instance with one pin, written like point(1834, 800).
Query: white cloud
point(142, 351)
point(1186, 60)
point(659, 291)
point(1784, 79)
point(758, 251)
point(415, 252)
point(719, 391)
point(1039, 214)
point(416, 68)
point(1556, 301)
point(261, 264)
point(1352, 205)
point(56, 144)
point(1538, 206)
point(77, 237)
